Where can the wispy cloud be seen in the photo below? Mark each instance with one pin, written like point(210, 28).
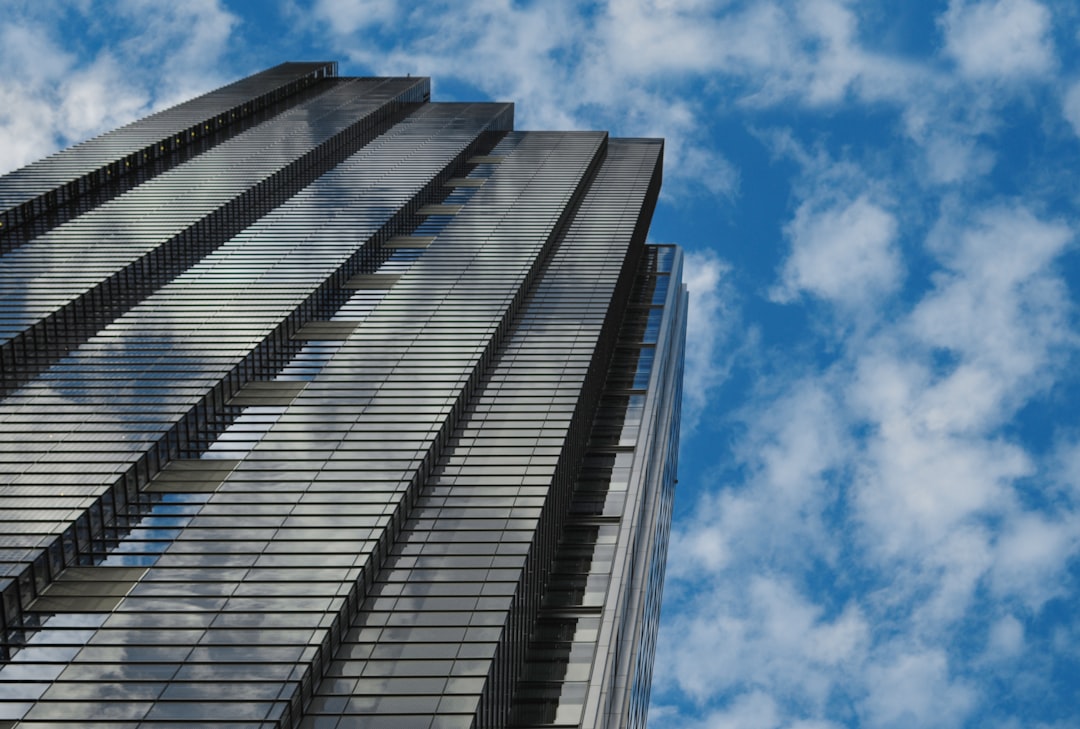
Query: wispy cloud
point(54, 94)
point(182, 43)
point(999, 38)
point(845, 253)
point(714, 339)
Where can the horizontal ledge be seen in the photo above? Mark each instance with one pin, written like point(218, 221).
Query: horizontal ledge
point(466, 181)
point(371, 281)
point(267, 392)
point(410, 241)
point(440, 209)
point(192, 475)
point(326, 330)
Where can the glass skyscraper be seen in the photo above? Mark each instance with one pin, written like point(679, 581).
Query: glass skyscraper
point(328, 406)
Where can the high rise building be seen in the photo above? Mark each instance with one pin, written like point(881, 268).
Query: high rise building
point(328, 406)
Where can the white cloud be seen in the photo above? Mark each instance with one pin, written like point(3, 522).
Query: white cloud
point(749, 624)
point(928, 465)
point(998, 304)
point(183, 44)
point(51, 96)
point(98, 97)
point(31, 65)
point(953, 156)
point(693, 167)
point(1071, 106)
point(345, 17)
point(915, 690)
point(1006, 638)
point(935, 471)
point(999, 38)
point(916, 487)
point(1032, 556)
point(749, 711)
point(845, 253)
point(762, 633)
point(840, 61)
point(670, 38)
point(808, 51)
point(710, 328)
point(791, 444)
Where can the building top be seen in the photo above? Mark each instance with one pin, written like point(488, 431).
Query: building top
point(39, 187)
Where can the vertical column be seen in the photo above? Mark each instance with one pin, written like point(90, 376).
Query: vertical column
point(444, 631)
point(619, 692)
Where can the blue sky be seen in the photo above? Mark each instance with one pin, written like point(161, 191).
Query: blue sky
point(879, 516)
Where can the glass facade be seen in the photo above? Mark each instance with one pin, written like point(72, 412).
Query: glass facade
point(346, 409)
